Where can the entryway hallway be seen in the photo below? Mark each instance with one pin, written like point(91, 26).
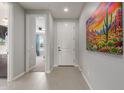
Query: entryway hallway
point(73, 37)
point(61, 78)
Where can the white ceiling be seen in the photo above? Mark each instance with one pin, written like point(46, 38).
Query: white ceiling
point(56, 8)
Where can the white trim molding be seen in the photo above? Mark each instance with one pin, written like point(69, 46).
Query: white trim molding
point(27, 70)
point(49, 71)
point(76, 65)
point(32, 67)
point(84, 76)
point(55, 65)
point(88, 83)
point(18, 76)
point(10, 43)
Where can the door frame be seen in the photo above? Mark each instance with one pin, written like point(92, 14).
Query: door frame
point(56, 55)
point(10, 54)
point(27, 68)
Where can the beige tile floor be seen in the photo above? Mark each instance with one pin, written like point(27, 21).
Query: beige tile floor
point(61, 78)
point(40, 65)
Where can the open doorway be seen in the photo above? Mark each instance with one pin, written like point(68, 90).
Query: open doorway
point(40, 44)
point(3, 39)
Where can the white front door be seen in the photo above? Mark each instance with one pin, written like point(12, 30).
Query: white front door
point(66, 43)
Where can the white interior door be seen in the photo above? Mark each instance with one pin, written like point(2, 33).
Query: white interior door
point(30, 41)
point(66, 43)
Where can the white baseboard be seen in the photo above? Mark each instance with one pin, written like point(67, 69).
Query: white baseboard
point(31, 67)
point(88, 83)
point(49, 71)
point(55, 65)
point(27, 70)
point(16, 77)
point(79, 68)
point(76, 65)
point(83, 75)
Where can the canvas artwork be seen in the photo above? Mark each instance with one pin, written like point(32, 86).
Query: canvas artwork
point(104, 29)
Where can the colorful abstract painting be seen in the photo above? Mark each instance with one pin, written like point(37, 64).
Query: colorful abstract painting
point(104, 29)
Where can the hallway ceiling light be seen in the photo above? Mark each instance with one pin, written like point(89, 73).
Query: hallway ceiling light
point(66, 24)
point(66, 10)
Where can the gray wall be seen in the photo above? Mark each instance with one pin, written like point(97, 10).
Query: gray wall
point(103, 71)
point(18, 39)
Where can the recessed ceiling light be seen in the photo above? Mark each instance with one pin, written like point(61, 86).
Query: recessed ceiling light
point(66, 24)
point(65, 9)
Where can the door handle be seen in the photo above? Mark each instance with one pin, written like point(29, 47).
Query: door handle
point(59, 49)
